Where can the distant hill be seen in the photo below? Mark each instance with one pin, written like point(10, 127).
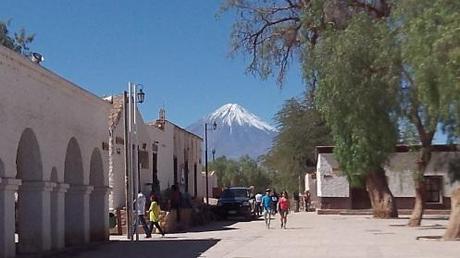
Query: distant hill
point(238, 132)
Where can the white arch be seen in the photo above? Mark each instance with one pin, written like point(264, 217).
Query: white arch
point(98, 199)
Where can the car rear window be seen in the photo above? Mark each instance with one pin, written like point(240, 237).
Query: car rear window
point(232, 193)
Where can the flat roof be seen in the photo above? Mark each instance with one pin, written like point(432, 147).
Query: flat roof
point(403, 148)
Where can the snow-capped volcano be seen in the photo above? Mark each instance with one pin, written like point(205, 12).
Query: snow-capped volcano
point(239, 132)
point(230, 114)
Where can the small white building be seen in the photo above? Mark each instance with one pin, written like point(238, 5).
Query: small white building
point(331, 190)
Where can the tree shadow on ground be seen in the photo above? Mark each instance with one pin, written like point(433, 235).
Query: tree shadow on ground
point(440, 217)
point(424, 227)
point(182, 248)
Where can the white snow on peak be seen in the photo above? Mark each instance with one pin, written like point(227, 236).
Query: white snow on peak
point(234, 113)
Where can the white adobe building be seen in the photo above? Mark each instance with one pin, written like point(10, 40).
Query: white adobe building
point(168, 154)
point(55, 143)
point(330, 189)
point(53, 160)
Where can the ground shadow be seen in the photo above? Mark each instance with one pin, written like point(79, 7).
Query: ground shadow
point(142, 249)
point(298, 228)
point(440, 217)
point(435, 226)
point(215, 226)
point(424, 227)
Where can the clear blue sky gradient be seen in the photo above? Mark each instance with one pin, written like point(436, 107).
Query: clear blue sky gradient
point(178, 49)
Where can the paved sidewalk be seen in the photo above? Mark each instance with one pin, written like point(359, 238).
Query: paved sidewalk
point(307, 235)
point(310, 235)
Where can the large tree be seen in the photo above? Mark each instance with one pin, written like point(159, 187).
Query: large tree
point(301, 129)
point(358, 74)
point(429, 41)
point(273, 32)
point(17, 41)
point(430, 46)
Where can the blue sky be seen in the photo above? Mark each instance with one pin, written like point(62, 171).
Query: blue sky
point(177, 49)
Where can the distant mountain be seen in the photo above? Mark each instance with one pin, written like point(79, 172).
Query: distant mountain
point(238, 132)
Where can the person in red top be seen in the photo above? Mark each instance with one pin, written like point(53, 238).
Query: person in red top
point(283, 209)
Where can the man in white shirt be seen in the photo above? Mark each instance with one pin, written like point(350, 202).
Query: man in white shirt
point(258, 204)
point(139, 212)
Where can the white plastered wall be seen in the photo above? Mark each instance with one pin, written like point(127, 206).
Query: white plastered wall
point(330, 182)
point(399, 172)
point(401, 166)
point(54, 108)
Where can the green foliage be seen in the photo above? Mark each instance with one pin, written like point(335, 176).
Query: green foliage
point(301, 129)
point(429, 33)
point(243, 172)
point(18, 42)
point(359, 78)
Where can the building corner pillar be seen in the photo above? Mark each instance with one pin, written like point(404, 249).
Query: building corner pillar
point(8, 188)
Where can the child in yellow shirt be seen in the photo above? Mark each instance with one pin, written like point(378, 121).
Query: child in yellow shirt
point(154, 215)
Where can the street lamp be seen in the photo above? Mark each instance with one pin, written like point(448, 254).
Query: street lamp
point(133, 96)
point(214, 126)
point(140, 95)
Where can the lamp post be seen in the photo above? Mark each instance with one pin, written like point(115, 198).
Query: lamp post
point(214, 126)
point(130, 100)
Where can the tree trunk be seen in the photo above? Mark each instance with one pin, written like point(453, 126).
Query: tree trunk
point(453, 227)
point(419, 183)
point(419, 205)
point(382, 200)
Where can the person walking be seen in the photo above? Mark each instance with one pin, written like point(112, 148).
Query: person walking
point(258, 206)
point(176, 201)
point(283, 208)
point(307, 200)
point(267, 207)
point(297, 202)
point(274, 204)
point(139, 214)
point(154, 215)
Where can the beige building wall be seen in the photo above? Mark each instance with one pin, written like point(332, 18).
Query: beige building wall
point(164, 139)
point(187, 151)
point(148, 139)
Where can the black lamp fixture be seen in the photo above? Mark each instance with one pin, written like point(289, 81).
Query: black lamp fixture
point(36, 58)
point(140, 95)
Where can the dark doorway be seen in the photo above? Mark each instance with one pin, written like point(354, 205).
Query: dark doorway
point(359, 198)
point(195, 184)
point(155, 182)
point(186, 176)
point(175, 171)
